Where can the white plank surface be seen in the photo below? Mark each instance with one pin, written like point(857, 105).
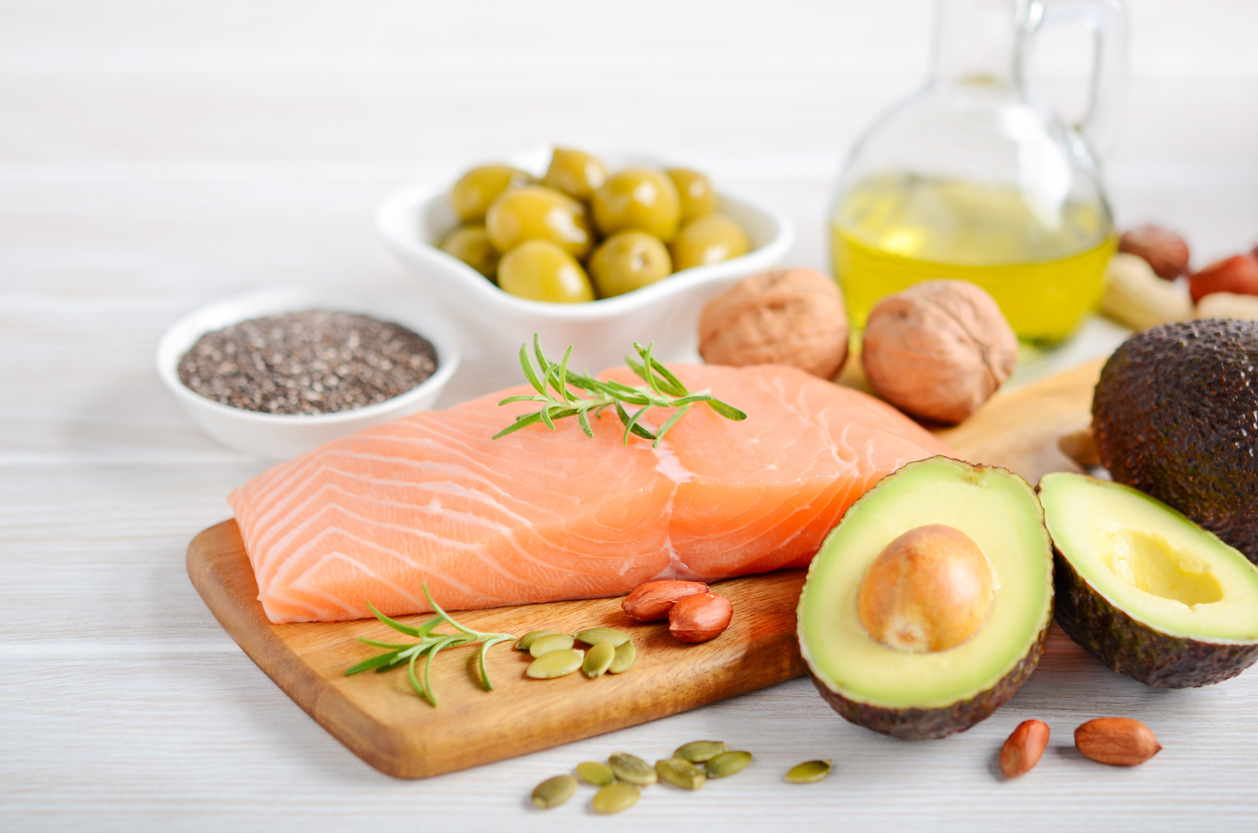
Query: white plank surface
point(157, 155)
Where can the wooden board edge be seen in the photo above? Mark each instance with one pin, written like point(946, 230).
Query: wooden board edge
point(242, 618)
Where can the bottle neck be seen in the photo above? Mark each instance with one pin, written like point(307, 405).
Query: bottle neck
point(979, 42)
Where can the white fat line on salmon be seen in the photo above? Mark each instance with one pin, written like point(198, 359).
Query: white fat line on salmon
point(670, 465)
point(472, 550)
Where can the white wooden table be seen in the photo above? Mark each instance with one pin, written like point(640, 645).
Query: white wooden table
point(154, 156)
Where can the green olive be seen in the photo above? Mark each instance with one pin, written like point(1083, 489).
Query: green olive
point(637, 198)
point(628, 260)
point(479, 187)
point(535, 212)
point(542, 271)
point(696, 193)
point(471, 245)
point(574, 172)
point(709, 239)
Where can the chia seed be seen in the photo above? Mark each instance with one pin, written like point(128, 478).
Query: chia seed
point(314, 362)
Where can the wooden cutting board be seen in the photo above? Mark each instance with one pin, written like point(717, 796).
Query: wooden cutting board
point(379, 718)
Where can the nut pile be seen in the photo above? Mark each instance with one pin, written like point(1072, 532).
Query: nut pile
point(694, 614)
point(621, 779)
point(1151, 282)
point(1117, 741)
point(312, 362)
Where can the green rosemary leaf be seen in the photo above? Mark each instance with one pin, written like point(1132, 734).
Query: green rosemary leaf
point(521, 397)
point(562, 387)
point(419, 689)
point(632, 425)
point(374, 662)
point(393, 623)
point(726, 410)
point(545, 414)
point(436, 608)
point(669, 423)
point(668, 382)
point(520, 422)
point(529, 373)
point(542, 362)
point(583, 418)
point(375, 644)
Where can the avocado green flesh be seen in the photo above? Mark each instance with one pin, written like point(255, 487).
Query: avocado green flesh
point(1146, 590)
point(916, 694)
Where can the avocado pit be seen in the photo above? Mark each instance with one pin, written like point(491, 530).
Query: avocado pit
point(930, 589)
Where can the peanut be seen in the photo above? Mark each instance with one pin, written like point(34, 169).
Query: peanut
point(1024, 747)
point(653, 600)
point(1117, 741)
point(700, 617)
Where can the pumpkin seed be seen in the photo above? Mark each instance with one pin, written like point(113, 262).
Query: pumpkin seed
point(555, 664)
point(808, 772)
point(598, 659)
point(550, 642)
point(526, 641)
point(593, 772)
point(727, 763)
point(680, 773)
point(616, 797)
point(699, 751)
point(633, 769)
point(625, 655)
point(593, 636)
point(554, 791)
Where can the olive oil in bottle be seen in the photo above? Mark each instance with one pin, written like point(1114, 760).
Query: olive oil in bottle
point(1042, 259)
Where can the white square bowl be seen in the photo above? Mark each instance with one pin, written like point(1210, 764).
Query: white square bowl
point(493, 324)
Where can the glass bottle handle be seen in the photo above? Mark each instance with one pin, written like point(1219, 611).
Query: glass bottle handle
point(1108, 21)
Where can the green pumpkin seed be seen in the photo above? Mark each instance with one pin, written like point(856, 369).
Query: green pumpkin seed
point(593, 636)
point(727, 763)
point(526, 641)
point(808, 772)
point(593, 772)
point(554, 791)
point(680, 773)
point(550, 642)
point(625, 655)
point(616, 797)
point(699, 751)
point(633, 769)
point(555, 664)
point(598, 659)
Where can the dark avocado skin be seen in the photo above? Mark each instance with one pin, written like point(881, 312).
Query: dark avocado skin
point(1154, 658)
point(928, 724)
point(1175, 415)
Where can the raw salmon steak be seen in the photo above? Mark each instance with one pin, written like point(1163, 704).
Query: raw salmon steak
point(542, 515)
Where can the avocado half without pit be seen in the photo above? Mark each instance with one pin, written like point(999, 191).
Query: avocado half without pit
point(1146, 590)
point(928, 606)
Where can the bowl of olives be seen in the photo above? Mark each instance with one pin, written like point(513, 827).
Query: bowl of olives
point(593, 251)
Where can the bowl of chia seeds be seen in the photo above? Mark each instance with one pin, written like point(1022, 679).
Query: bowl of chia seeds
point(279, 372)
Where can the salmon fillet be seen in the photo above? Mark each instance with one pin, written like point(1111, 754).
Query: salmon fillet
point(541, 516)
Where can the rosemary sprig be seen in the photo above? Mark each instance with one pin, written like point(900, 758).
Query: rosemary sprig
point(554, 384)
point(429, 645)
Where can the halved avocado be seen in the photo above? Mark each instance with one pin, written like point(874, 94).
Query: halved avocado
point(1146, 590)
point(930, 694)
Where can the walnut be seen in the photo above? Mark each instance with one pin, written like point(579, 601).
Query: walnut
point(938, 349)
point(788, 316)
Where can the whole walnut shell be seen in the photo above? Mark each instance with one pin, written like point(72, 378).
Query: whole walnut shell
point(788, 316)
point(938, 349)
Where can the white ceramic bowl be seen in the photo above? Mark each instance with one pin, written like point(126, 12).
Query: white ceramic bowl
point(282, 437)
point(495, 324)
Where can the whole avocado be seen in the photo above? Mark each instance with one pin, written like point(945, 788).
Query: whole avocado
point(1175, 415)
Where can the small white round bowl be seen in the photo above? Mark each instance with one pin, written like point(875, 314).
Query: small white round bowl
point(282, 437)
point(414, 220)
